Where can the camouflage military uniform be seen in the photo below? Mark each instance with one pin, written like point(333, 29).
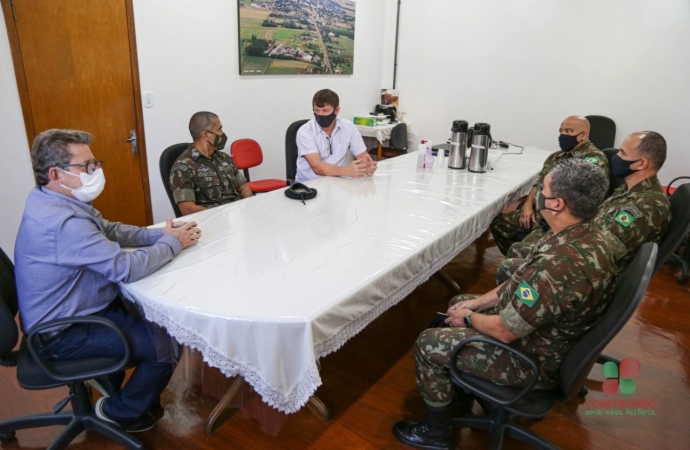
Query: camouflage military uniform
point(206, 182)
point(549, 302)
point(505, 227)
point(634, 216)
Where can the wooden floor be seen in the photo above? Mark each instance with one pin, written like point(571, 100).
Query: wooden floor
point(369, 385)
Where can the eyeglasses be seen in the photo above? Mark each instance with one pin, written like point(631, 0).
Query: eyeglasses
point(90, 166)
point(330, 144)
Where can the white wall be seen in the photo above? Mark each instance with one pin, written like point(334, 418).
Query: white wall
point(524, 65)
point(188, 57)
point(16, 176)
point(521, 66)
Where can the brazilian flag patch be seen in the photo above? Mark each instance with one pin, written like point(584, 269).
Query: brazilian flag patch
point(625, 218)
point(593, 159)
point(526, 294)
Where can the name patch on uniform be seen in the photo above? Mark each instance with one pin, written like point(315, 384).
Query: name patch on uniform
point(593, 159)
point(636, 213)
point(181, 167)
point(526, 294)
point(625, 218)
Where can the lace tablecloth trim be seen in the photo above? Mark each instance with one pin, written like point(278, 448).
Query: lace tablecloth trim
point(287, 403)
point(346, 333)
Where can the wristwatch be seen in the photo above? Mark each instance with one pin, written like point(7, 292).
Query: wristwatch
point(468, 321)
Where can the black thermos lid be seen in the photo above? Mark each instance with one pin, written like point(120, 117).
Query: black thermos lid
point(482, 128)
point(459, 126)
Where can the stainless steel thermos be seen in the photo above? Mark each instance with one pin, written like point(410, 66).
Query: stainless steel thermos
point(479, 155)
point(458, 145)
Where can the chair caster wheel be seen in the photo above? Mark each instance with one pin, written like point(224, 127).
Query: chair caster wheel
point(7, 437)
point(583, 392)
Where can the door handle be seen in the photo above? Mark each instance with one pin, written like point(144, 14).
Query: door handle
point(133, 140)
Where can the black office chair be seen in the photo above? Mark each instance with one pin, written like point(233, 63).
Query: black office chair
point(398, 143)
point(678, 229)
point(509, 404)
point(613, 181)
point(34, 373)
point(680, 220)
point(165, 163)
point(602, 131)
point(291, 150)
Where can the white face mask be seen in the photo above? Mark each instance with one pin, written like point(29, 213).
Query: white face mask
point(92, 185)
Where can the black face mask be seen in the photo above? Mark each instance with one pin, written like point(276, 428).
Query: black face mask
point(567, 142)
point(220, 140)
point(541, 202)
point(620, 168)
point(325, 121)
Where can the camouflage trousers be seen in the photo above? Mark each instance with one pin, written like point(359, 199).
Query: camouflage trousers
point(434, 348)
point(517, 255)
point(507, 268)
point(505, 227)
point(523, 249)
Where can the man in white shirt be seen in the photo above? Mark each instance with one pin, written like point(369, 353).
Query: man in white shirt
point(324, 143)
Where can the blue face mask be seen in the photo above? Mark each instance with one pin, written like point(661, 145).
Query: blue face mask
point(620, 168)
point(567, 142)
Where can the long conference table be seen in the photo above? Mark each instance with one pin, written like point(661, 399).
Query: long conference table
point(274, 285)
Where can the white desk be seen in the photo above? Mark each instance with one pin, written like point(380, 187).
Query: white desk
point(274, 285)
point(383, 132)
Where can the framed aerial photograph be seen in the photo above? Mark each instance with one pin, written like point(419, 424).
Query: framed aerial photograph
point(296, 37)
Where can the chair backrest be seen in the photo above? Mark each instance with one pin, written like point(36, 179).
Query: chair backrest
point(679, 226)
point(630, 289)
point(9, 333)
point(602, 131)
point(291, 150)
point(165, 163)
point(399, 137)
point(613, 181)
point(246, 153)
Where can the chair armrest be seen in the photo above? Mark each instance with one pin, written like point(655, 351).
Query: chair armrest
point(71, 321)
point(455, 373)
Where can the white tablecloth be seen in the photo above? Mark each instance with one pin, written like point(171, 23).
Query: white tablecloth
point(383, 132)
point(274, 285)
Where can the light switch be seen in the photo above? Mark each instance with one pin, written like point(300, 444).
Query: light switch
point(148, 99)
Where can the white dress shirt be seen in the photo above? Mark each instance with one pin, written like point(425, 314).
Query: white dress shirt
point(334, 149)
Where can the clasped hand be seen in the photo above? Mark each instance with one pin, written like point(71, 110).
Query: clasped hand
point(186, 232)
point(457, 312)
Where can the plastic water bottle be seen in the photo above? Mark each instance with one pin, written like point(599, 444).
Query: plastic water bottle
point(421, 156)
point(440, 159)
point(429, 160)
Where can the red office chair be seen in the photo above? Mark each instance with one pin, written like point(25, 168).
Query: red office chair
point(247, 153)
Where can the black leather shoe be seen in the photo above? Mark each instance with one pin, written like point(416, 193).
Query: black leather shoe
point(417, 434)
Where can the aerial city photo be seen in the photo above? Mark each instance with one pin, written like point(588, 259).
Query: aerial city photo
point(296, 37)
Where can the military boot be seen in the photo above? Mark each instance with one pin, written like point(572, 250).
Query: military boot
point(462, 402)
point(435, 433)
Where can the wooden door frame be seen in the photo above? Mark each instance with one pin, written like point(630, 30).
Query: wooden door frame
point(22, 87)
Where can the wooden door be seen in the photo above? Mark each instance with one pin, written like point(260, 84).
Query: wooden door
point(75, 62)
